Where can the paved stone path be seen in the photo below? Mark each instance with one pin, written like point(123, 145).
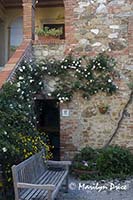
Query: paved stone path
point(98, 190)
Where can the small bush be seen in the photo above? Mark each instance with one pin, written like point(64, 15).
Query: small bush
point(110, 162)
point(115, 160)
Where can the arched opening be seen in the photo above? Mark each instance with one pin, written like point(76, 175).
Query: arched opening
point(15, 34)
point(51, 14)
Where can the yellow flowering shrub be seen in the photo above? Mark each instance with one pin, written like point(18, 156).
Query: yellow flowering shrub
point(29, 145)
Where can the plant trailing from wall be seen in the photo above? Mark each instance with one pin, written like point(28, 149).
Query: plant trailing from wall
point(78, 74)
point(70, 75)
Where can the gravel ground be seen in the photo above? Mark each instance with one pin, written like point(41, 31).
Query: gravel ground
point(98, 190)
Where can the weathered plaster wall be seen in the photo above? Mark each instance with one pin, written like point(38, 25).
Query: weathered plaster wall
point(94, 26)
point(10, 16)
point(49, 15)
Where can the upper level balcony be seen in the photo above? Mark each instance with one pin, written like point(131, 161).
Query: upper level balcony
point(19, 20)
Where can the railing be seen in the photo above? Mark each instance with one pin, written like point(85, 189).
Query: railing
point(22, 52)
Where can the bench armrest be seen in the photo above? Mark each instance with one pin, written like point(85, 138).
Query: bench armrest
point(36, 186)
point(58, 164)
point(52, 162)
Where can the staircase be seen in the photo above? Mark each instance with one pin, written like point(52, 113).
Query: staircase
point(1, 67)
point(22, 52)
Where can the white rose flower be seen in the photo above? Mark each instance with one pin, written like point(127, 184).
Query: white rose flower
point(31, 80)
point(4, 149)
point(21, 70)
point(18, 90)
point(23, 67)
point(20, 78)
point(18, 84)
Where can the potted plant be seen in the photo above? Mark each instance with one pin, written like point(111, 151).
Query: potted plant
point(49, 33)
point(84, 167)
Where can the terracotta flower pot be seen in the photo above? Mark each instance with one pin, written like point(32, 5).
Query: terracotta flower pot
point(48, 39)
point(103, 109)
point(83, 171)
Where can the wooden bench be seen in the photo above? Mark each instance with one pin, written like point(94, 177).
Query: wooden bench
point(38, 179)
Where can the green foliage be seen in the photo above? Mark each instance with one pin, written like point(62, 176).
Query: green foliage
point(19, 137)
point(49, 32)
point(115, 160)
point(110, 162)
point(86, 153)
point(70, 75)
point(78, 74)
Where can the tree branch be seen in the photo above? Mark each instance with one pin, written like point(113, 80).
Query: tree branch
point(120, 120)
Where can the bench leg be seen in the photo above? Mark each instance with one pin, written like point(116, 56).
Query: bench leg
point(49, 195)
point(66, 184)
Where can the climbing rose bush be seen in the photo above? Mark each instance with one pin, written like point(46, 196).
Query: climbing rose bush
point(19, 137)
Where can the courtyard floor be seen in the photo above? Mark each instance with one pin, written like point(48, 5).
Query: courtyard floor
point(98, 190)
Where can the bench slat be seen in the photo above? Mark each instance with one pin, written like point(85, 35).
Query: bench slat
point(49, 180)
point(34, 192)
point(43, 195)
point(53, 179)
point(43, 177)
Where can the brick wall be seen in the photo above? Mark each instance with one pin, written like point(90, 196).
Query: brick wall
point(28, 19)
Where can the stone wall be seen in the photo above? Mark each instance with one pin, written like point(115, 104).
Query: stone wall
point(96, 26)
point(87, 126)
point(102, 25)
point(42, 51)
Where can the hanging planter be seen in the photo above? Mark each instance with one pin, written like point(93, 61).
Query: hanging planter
point(103, 109)
point(85, 171)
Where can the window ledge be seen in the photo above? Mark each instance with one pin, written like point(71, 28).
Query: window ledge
point(49, 41)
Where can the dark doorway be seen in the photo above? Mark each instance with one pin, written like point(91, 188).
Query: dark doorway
point(48, 116)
